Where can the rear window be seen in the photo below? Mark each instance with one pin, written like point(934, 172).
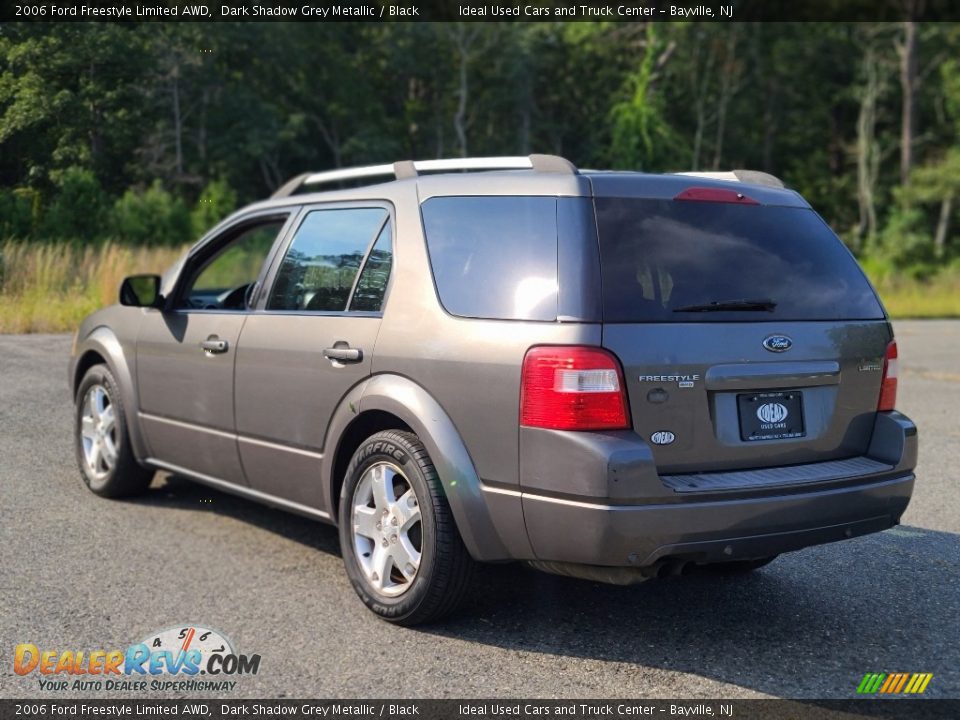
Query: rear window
point(494, 257)
point(661, 256)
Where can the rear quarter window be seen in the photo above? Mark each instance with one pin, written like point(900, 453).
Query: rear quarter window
point(494, 257)
point(658, 256)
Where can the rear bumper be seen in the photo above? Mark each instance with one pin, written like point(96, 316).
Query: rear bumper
point(640, 521)
point(641, 535)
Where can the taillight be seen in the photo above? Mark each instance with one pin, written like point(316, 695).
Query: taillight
point(888, 386)
point(572, 388)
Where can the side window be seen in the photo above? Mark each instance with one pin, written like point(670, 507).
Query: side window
point(372, 284)
point(223, 280)
point(321, 264)
point(494, 257)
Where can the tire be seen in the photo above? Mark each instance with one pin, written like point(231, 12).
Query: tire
point(739, 567)
point(401, 548)
point(107, 464)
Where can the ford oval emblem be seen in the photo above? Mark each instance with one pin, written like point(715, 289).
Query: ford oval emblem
point(663, 437)
point(778, 343)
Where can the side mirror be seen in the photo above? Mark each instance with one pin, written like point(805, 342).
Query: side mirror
point(141, 291)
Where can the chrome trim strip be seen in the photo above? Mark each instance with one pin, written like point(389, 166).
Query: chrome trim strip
point(233, 436)
point(558, 501)
point(240, 490)
point(502, 491)
point(680, 505)
point(186, 425)
point(278, 446)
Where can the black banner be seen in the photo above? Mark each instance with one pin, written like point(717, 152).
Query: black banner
point(894, 709)
point(479, 11)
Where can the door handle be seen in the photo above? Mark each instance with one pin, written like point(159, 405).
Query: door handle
point(343, 354)
point(214, 345)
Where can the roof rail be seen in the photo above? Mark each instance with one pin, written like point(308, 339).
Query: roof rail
point(754, 177)
point(412, 168)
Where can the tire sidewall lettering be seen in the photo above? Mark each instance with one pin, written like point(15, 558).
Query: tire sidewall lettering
point(383, 447)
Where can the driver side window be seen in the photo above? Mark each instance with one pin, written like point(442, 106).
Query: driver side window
point(224, 279)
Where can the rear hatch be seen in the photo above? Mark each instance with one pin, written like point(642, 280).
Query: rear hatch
point(749, 336)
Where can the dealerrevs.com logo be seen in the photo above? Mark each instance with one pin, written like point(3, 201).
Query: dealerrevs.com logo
point(183, 659)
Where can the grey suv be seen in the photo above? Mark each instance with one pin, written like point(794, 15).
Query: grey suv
point(610, 375)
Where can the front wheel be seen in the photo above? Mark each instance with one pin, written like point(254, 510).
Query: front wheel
point(104, 454)
point(401, 548)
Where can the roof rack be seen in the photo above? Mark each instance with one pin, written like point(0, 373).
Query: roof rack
point(412, 168)
point(754, 177)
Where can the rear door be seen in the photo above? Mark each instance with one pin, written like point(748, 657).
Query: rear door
point(748, 334)
point(310, 341)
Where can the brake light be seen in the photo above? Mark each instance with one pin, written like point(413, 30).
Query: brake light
point(572, 388)
point(708, 194)
point(888, 386)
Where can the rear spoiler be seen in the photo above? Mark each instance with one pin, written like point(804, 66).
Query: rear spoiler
point(754, 177)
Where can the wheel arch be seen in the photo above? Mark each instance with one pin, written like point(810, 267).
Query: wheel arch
point(386, 399)
point(360, 428)
point(102, 346)
point(86, 361)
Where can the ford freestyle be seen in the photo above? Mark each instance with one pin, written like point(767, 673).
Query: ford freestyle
point(609, 375)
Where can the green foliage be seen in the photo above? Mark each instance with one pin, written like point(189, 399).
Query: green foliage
point(150, 217)
point(78, 208)
point(906, 243)
point(201, 118)
point(641, 135)
point(18, 208)
point(216, 202)
point(935, 180)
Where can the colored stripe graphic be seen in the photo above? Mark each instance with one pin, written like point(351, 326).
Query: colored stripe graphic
point(903, 680)
point(894, 683)
point(918, 683)
point(890, 683)
point(871, 683)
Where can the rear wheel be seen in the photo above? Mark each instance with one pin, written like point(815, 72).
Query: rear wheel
point(106, 460)
point(401, 548)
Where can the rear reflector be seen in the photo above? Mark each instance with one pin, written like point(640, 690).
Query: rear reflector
point(572, 388)
point(707, 194)
point(888, 386)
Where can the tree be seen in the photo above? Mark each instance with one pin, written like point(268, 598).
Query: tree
point(907, 48)
point(640, 132)
point(868, 149)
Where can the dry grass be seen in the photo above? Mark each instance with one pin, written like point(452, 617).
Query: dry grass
point(51, 288)
point(938, 297)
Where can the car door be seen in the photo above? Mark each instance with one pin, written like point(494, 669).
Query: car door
point(186, 352)
point(309, 343)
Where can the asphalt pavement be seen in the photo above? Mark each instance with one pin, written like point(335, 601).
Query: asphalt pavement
point(79, 572)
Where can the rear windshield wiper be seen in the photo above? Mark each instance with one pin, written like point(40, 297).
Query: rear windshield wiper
point(719, 305)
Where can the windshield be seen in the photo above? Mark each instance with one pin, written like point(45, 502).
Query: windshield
point(676, 261)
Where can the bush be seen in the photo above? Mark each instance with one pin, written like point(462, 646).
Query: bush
point(17, 210)
point(78, 209)
point(151, 217)
point(906, 243)
point(216, 202)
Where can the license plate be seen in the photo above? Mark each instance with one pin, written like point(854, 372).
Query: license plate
point(771, 415)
